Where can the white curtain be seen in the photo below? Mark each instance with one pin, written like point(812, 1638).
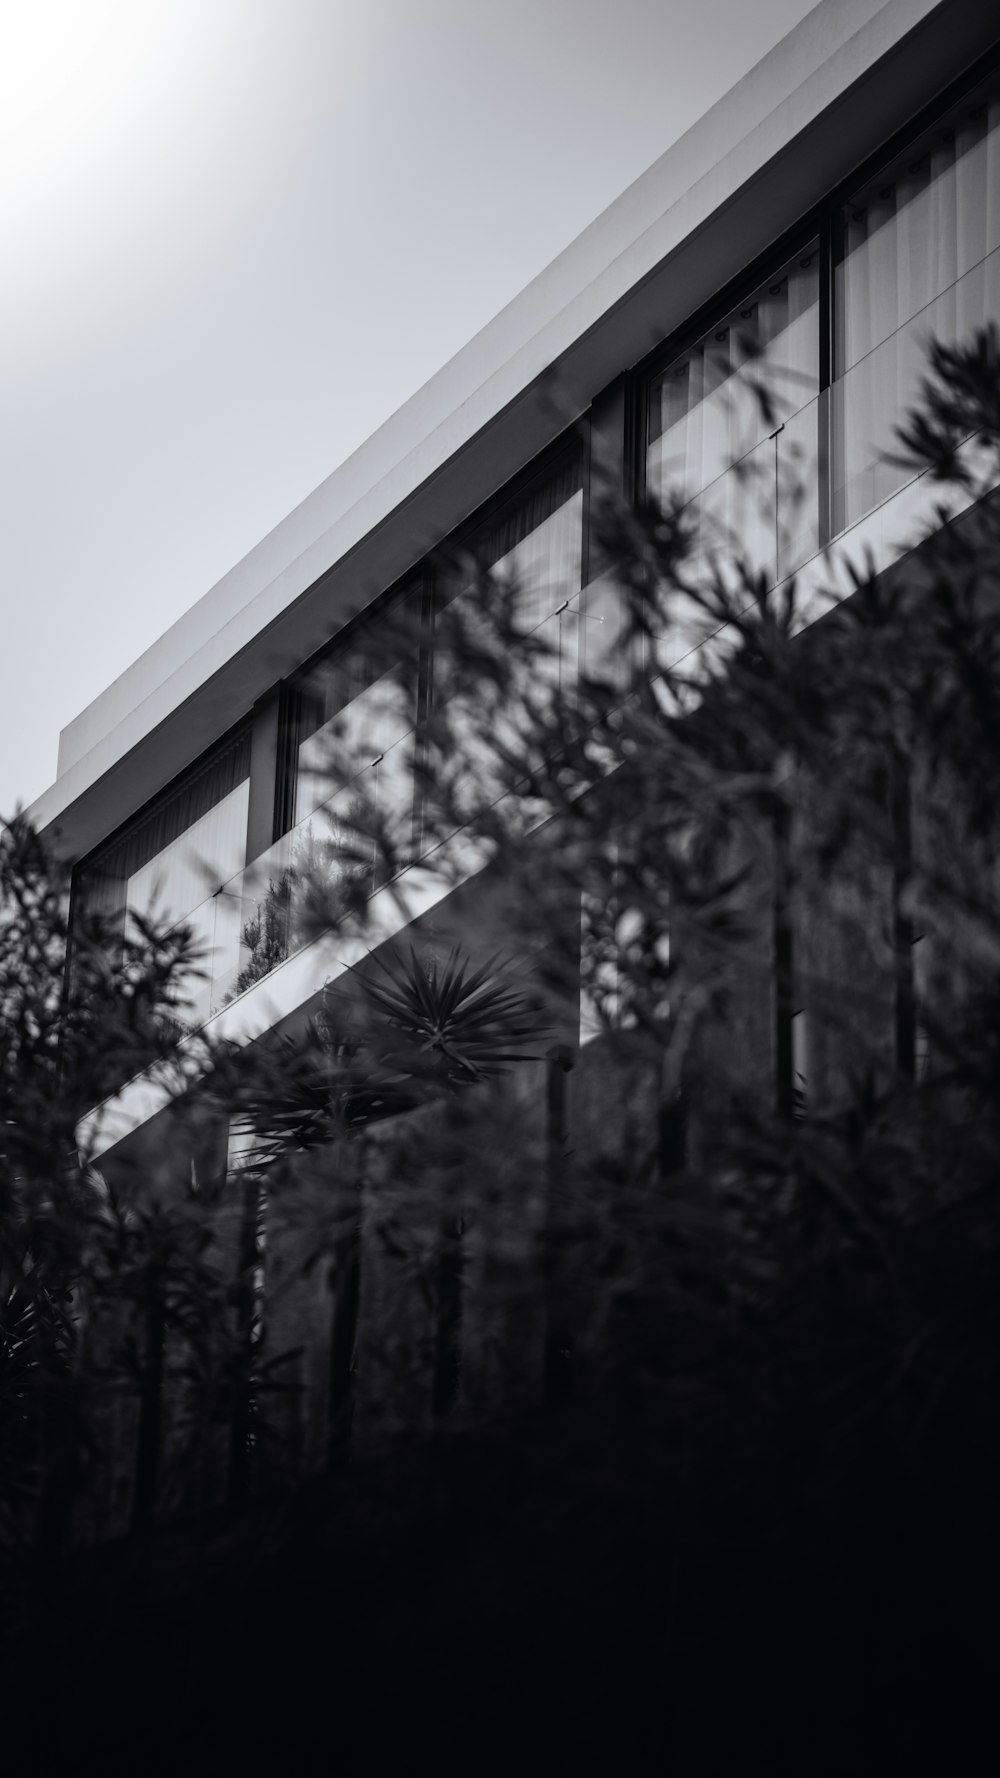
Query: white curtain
point(545, 569)
point(706, 411)
point(356, 765)
point(190, 870)
point(712, 413)
point(536, 551)
point(918, 257)
point(175, 887)
point(179, 863)
point(372, 722)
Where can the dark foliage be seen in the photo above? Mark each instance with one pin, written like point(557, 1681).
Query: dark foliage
point(750, 1509)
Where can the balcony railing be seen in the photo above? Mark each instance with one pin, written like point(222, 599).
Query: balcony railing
point(814, 477)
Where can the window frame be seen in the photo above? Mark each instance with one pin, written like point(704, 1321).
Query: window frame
point(232, 737)
point(240, 730)
point(819, 222)
point(425, 579)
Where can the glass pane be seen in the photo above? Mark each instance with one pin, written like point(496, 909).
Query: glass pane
point(918, 257)
point(737, 513)
point(541, 565)
point(545, 569)
point(918, 228)
point(758, 366)
point(356, 725)
point(302, 884)
point(609, 650)
point(801, 454)
point(871, 398)
point(167, 864)
point(350, 719)
point(544, 566)
point(172, 882)
point(171, 887)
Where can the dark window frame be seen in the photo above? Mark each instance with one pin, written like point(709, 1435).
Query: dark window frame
point(238, 732)
point(425, 578)
point(819, 222)
point(861, 187)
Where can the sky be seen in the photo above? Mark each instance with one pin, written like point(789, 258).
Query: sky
point(237, 235)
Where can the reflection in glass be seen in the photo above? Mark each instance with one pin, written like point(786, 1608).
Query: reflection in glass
point(352, 714)
point(916, 257)
point(308, 881)
point(733, 429)
point(756, 368)
point(534, 552)
point(544, 569)
point(353, 753)
point(168, 863)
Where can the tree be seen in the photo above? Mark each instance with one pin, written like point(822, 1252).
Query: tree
point(768, 1263)
point(773, 1261)
point(117, 1285)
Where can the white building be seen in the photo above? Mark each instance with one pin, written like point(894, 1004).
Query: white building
point(839, 205)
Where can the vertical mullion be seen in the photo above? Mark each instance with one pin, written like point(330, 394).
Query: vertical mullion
point(286, 769)
point(635, 453)
point(588, 435)
point(824, 405)
point(826, 352)
point(425, 695)
point(265, 771)
point(784, 1055)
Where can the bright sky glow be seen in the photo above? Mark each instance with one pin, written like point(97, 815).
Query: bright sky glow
point(87, 94)
point(142, 116)
point(237, 234)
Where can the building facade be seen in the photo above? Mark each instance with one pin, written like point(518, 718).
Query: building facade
point(837, 208)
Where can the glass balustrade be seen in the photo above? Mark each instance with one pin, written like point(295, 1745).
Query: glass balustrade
point(312, 875)
point(541, 574)
point(761, 519)
point(817, 474)
point(874, 395)
point(827, 467)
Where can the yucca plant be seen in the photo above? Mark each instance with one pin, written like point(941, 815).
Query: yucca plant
point(426, 1027)
point(450, 1022)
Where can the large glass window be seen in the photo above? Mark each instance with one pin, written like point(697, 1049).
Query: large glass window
point(534, 550)
point(917, 254)
point(349, 791)
point(732, 424)
point(355, 713)
point(170, 863)
point(349, 783)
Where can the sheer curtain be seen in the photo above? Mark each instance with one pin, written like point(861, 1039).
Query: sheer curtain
point(353, 759)
point(535, 549)
point(350, 722)
point(917, 256)
point(544, 566)
point(174, 862)
point(712, 413)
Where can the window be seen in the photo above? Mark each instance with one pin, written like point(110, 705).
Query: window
point(916, 254)
point(355, 710)
point(532, 546)
point(172, 861)
point(732, 424)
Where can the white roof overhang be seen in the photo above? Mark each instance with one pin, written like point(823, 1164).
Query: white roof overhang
point(823, 100)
